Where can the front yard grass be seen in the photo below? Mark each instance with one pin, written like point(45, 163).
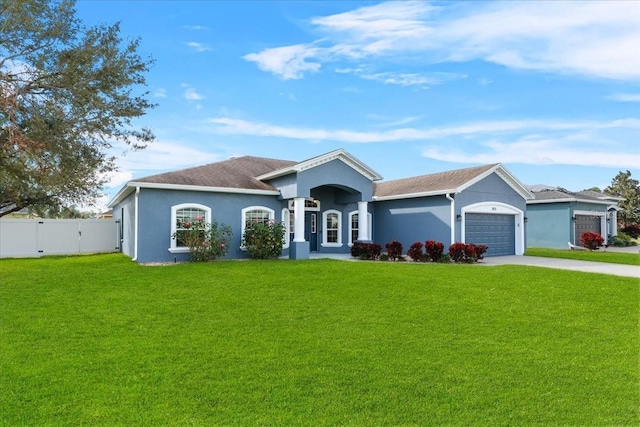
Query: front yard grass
point(597, 256)
point(100, 340)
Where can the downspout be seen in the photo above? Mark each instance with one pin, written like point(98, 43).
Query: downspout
point(453, 218)
point(135, 221)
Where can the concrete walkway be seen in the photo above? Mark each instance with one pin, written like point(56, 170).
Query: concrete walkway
point(566, 264)
point(563, 264)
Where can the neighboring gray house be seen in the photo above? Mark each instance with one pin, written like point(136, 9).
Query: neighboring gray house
point(326, 203)
point(557, 217)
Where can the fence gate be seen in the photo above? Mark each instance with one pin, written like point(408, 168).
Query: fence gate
point(38, 237)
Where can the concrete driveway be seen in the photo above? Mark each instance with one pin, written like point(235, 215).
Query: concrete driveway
point(566, 264)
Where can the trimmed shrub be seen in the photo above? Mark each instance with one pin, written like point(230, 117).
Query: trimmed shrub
point(591, 240)
point(415, 251)
point(469, 253)
point(366, 251)
point(622, 239)
point(384, 257)
point(263, 240)
point(434, 250)
point(480, 250)
point(457, 252)
point(394, 250)
point(632, 230)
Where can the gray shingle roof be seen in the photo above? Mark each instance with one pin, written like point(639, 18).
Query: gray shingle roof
point(238, 172)
point(432, 183)
point(560, 194)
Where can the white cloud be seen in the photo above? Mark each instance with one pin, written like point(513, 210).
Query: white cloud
point(190, 94)
point(625, 97)
point(413, 79)
point(160, 93)
point(199, 47)
point(536, 141)
point(289, 62)
point(162, 155)
point(536, 150)
point(595, 39)
point(228, 125)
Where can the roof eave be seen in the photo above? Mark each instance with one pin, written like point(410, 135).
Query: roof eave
point(131, 185)
point(415, 195)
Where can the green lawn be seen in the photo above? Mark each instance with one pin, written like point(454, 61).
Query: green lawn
point(598, 256)
point(100, 340)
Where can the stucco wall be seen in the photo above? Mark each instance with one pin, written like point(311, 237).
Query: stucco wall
point(125, 213)
point(411, 220)
point(154, 237)
point(335, 173)
point(549, 225)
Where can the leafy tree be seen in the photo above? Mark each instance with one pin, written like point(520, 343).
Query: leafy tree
point(623, 186)
point(66, 95)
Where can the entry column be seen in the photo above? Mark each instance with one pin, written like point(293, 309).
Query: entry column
point(299, 248)
point(363, 222)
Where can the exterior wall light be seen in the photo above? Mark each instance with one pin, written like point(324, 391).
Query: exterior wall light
point(459, 217)
point(526, 219)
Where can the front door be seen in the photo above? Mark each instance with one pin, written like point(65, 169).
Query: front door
point(311, 230)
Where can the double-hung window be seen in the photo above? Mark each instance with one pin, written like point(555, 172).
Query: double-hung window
point(332, 230)
point(354, 227)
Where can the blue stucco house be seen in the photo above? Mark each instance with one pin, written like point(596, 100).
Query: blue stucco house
point(558, 217)
point(326, 203)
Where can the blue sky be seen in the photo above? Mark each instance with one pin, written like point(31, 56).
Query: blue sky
point(549, 89)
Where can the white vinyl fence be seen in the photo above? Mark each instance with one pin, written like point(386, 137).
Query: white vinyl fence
point(38, 237)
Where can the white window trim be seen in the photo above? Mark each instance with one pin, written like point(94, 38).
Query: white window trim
point(174, 210)
point(249, 209)
point(369, 217)
point(287, 227)
point(324, 243)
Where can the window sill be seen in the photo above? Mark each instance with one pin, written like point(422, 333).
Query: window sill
point(331, 245)
point(179, 250)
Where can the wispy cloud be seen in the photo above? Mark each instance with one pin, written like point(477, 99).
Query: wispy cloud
point(594, 39)
point(199, 47)
point(196, 27)
point(625, 97)
point(535, 150)
point(160, 93)
point(160, 156)
point(536, 141)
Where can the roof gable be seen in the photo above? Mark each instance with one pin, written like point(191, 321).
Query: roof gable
point(454, 181)
point(313, 162)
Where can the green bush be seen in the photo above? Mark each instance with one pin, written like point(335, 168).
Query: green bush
point(263, 240)
point(622, 239)
point(206, 241)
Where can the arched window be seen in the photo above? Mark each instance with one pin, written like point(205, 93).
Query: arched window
point(256, 214)
point(182, 217)
point(354, 227)
point(332, 230)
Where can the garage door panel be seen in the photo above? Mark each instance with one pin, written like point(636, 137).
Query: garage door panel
point(586, 223)
point(495, 231)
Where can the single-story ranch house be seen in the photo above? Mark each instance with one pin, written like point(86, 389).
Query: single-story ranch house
point(326, 203)
point(558, 217)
